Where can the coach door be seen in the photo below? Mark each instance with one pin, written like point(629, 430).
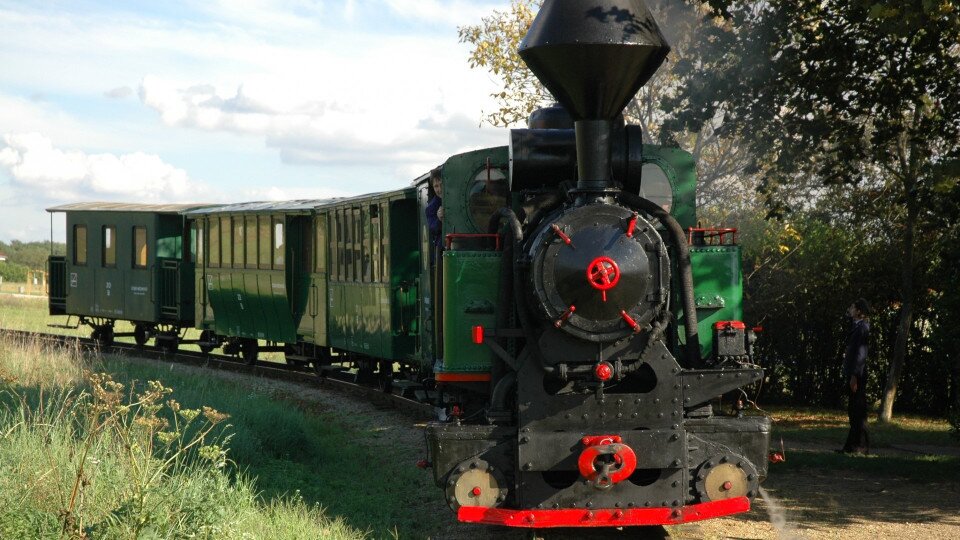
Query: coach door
point(108, 295)
point(313, 325)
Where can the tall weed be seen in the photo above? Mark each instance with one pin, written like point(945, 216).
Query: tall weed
point(84, 456)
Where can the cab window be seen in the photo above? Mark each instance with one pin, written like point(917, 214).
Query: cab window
point(655, 186)
point(486, 194)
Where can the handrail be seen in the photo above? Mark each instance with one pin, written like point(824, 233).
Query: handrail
point(711, 236)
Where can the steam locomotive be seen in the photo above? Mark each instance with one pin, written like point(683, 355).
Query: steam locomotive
point(572, 334)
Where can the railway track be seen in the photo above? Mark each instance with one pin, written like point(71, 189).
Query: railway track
point(335, 381)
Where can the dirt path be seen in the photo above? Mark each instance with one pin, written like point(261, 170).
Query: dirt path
point(808, 505)
point(842, 505)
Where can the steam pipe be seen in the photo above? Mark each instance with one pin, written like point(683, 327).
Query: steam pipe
point(593, 154)
point(523, 314)
point(686, 270)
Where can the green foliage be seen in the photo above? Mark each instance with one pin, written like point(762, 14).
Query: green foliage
point(13, 272)
point(32, 255)
point(496, 41)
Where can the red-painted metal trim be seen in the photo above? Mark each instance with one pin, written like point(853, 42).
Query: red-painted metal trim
point(724, 325)
point(608, 517)
point(462, 377)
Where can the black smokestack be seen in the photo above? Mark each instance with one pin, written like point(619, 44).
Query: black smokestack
point(593, 56)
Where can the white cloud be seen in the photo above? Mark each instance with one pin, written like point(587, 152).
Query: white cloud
point(275, 193)
point(120, 92)
point(451, 12)
point(38, 169)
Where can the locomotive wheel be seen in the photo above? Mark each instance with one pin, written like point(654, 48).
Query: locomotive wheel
point(249, 350)
point(207, 338)
point(475, 483)
point(141, 334)
point(725, 478)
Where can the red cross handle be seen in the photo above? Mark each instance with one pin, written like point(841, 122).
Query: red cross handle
point(603, 274)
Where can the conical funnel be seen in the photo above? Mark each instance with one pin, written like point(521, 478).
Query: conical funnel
point(594, 55)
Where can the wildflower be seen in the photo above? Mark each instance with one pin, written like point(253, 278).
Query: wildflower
point(167, 437)
point(214, 416)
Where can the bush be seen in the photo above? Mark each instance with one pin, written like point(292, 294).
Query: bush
point(954, 418)
point(13, 272)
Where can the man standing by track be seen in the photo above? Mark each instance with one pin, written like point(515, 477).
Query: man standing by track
point(855, 377)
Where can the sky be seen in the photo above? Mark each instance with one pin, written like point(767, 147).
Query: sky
point(216, 101)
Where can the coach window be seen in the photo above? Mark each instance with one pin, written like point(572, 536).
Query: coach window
point(385, 242)
point(375, 241)
point(334, 245)
point(201, 241)
point(80, 245)
point(320, 243)
point(278, 244)
point(263, 235)
point(226, 242)
point(251, 241)
point(347, 244)
point(214, 243)
point(139, 247)
point(366, 228)
point(238, 242)
point(357, 245)
point(109, 246)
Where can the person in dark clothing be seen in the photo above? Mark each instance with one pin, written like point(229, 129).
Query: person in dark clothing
point(434, 213)
point(855, 377)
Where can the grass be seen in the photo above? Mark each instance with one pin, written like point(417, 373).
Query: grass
point(110, 456)
point(919, 468)
point(825, 425)
point(32, 315)
point(829, 428)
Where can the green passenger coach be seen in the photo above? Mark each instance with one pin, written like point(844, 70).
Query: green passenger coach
point(247, 273)
point(125, 262)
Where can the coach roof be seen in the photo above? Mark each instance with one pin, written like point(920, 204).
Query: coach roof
point(124, 207)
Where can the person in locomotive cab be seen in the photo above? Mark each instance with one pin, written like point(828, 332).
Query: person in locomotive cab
point(855, 376)
point(434, 213)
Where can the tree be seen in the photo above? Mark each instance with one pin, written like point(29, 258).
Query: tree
point(496, 42)
point(844, 92)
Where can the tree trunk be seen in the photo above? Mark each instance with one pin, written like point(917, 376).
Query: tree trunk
point(955, 385)
point(906, 313)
